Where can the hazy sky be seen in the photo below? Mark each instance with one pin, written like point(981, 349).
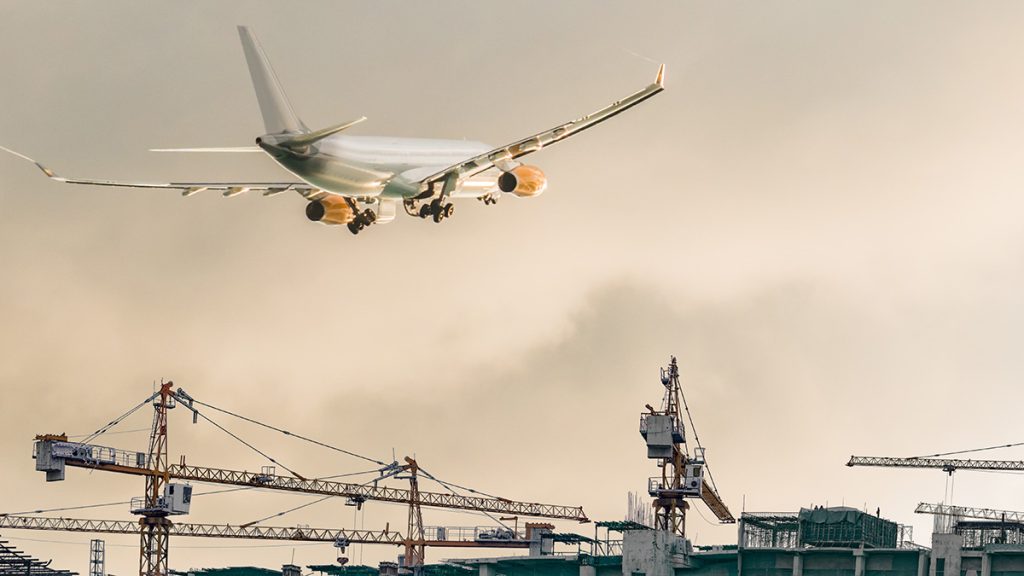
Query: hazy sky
point(820, 217)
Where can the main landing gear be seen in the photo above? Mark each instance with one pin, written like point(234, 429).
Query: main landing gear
point(437, 210)
point(362, 220)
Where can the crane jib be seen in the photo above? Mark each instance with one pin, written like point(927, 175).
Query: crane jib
point(53, 453)
point(945, 464)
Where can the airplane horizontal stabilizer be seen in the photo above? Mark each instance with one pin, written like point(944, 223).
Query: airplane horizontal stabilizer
point(318, 135)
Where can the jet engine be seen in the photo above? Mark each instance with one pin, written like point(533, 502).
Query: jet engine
point(330, 210)
point(523, 181)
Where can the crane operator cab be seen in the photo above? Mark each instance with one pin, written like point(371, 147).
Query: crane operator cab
point(694, 479)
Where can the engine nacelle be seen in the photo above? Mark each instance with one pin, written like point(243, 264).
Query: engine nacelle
point(330, 210)
point(523, 181)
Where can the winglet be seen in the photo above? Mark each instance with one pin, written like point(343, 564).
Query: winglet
point(660, 80)
point(49, 173)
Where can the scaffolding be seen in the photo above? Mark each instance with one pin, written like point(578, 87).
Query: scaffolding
point(769, 530)
point(13, 562)
point(980, 533)
point(837, 527)
point(97, 558)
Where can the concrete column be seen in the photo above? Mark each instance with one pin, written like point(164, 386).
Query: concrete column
point(487, 570)
point(922, 563)
point(798, 564)
point(986, 564)
point(858, 569)
point(585, 570)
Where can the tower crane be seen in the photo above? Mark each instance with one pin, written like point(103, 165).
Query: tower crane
point(949, 465)
point(164, 498)
point(682, 474)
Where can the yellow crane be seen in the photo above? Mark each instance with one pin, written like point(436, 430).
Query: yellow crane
point(164, 498)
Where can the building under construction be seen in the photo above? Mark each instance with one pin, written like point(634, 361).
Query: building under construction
point(650, 541)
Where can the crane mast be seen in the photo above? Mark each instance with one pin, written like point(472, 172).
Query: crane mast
point(415, 550)
point(155, 526)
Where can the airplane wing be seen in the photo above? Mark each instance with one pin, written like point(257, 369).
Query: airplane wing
point(229, 189)
point(504, 157)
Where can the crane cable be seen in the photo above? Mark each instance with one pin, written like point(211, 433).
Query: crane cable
point(287, 433)
point(317, 501)
point(696, 437)
point(176, 547)
point(108, 433)
point(248, 445)
point(449, 488)
point(282, 513)
point(447, 484)
point(89, 438)
point(1014, 445)
point(119, 419)
point(107, 504)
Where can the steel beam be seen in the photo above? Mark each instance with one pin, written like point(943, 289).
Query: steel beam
point(347, 490)
point(296, 534)
point(946, 464)
point(966, 512)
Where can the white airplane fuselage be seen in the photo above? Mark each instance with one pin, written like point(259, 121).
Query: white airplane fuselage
point(380, 166)
point(359, 181)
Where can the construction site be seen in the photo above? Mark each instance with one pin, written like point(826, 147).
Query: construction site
point(650, 539)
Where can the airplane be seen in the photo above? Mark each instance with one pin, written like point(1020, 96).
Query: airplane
point(358, 181)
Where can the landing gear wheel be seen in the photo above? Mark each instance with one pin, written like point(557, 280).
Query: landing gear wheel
point(449, 209)
point(437, 210)
point(425, 211)
point(368, 216)
point(353, 227)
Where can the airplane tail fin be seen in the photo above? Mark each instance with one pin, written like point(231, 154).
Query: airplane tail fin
point(278, 115)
